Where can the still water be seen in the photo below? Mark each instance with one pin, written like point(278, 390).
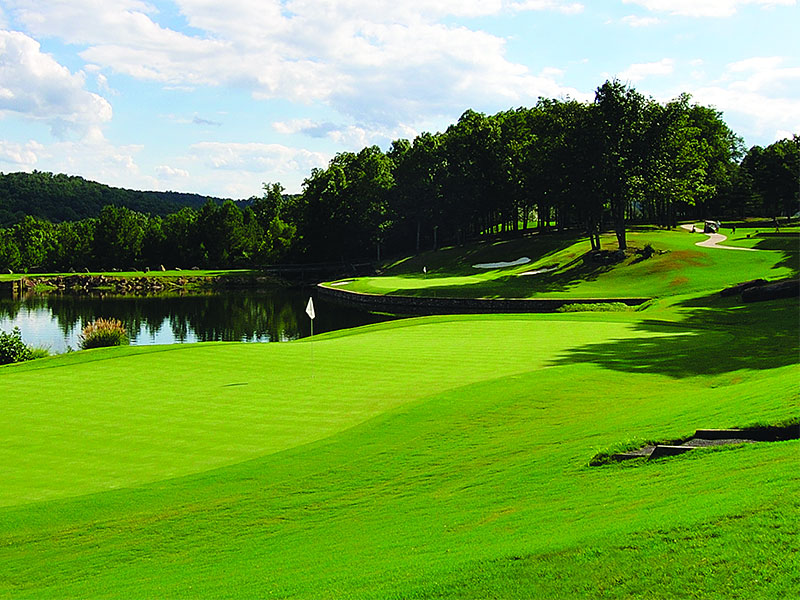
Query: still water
point(55, 321)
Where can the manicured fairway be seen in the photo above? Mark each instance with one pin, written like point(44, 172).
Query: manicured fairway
point(438, 457)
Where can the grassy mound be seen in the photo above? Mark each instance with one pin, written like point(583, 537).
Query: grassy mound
point(435, 457)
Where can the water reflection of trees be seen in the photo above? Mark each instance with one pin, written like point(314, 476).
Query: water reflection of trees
point(277, 315)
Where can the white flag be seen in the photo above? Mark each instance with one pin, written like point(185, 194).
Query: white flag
point(310, 308)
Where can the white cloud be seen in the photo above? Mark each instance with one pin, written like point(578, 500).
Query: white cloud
point(784, 135)
point(238, 169)
point(256, 157)
point(377, 62)
point(763, 90)
point(636, 21)
point(568, 8)
point(705, 8)
point(639, 71)
point(18, 155)
point(35, 86)
point(168, 172)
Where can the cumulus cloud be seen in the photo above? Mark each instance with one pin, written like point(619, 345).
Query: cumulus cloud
point(706, 8)
point(376, 61)
point(168, 172)
point(639, 71)
point(20, 156)
point(35, 86)
point(764, 90)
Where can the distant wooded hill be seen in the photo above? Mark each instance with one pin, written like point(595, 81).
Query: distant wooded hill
point(61, 197)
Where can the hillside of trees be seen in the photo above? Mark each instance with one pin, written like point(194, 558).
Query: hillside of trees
point(61, 197)
point(589, 166)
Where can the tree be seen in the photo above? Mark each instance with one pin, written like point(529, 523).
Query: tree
point(119, 236)
point(35, 239)
point(775, 174)
point(620, 124)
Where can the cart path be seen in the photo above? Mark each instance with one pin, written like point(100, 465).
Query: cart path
point(714, 239)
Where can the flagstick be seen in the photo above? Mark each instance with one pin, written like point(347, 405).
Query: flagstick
point(311, 314)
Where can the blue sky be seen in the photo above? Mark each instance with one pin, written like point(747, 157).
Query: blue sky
point(218, 98)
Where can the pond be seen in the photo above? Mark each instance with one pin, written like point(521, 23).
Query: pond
point(54, 321)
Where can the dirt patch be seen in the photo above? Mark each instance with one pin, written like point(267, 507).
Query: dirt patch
point(677, 260)
point(679, 281)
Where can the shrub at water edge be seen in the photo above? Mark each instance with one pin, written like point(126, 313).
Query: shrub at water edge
point(12, 348)
point(103, 332)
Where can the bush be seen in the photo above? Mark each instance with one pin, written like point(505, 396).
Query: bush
point(595, 307)
point(103, 332)
point(12, 348)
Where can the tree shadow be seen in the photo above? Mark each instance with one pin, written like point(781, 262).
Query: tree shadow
point(714, 336)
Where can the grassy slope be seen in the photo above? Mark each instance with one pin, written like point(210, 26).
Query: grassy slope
point(438, 457)
point(682, 268)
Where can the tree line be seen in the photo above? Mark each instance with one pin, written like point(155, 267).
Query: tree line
point(63, 197)
point(592, 166)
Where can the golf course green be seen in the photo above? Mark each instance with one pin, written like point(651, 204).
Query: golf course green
point(432, 457)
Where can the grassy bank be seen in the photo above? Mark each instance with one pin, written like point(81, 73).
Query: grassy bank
point(557, 268)
point(434, 457)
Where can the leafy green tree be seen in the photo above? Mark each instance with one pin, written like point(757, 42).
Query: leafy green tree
point(10, 256)
point(620, 127)
point(35, 239)
point(73, 245)
point(775, 174)
point(181, 238)
point(119, 236)
point(223, 234)
point(346, 206)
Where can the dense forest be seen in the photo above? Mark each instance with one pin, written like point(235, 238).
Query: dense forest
point(594, 167)
point(61, 197)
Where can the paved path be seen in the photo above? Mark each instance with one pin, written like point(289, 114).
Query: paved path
point(713, 239)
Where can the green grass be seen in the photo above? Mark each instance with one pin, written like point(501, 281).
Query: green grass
point(435, 457)
point(679, 268)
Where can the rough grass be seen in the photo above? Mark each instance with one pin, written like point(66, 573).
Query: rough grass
point(437, 457)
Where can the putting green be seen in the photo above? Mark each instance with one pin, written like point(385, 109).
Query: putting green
point(98, 424)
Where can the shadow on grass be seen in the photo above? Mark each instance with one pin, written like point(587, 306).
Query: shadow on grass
point(715, 336)
point(789, 245)
point(458, 260)
point(516, 286)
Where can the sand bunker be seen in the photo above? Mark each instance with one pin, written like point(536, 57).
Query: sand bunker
point(500, 265)
point(539, 271)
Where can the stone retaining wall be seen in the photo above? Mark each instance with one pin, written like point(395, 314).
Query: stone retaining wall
point(437, 306)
